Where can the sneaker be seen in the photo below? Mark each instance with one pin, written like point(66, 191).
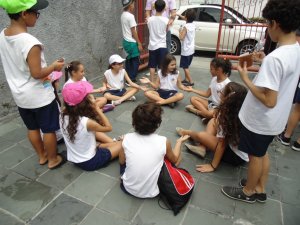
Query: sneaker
point(237, 193)
point(260, 197)
point(196, 149)
point(296, 146)
point(184, 82)
point(284, 140)
point(188, 84)
point(172, 105)
point(192, 109)
point(108, 107)
point(116, 102)
point(132, 98)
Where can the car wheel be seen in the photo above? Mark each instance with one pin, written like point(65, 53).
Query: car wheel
point(245, 46)
point(175, 46)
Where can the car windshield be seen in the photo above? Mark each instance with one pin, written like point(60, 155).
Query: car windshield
point(245, 20)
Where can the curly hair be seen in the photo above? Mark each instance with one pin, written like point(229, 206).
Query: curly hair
point(84, 108)
point(227, 112)
point(224, 64)
point(146, 118)
point(284, 12)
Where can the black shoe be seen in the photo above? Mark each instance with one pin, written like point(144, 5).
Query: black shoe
point(284, 140)
point(237, 193)
point(184, 82)
point(296, 146)
point(260, 197)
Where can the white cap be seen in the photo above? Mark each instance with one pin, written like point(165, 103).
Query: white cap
point(115, 59)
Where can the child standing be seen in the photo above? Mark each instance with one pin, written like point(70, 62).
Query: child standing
point(167, 82)
point(131, 41)
point(114, 79)
point(187, 37)
point(222, 132)
point(220, 70)
point(26, 70)
point(142, 154)
point(265, 110)
point(158, 26)
point(81, 122)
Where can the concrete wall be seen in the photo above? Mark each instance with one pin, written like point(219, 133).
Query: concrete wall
point(88, 31)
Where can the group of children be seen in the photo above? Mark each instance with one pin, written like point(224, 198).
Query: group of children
point(234, 132)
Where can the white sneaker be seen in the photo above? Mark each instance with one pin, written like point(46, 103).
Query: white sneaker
point(116, 102)
point(196, 149)
point(132, 98)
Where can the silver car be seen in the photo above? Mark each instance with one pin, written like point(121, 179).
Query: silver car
point(236, 37)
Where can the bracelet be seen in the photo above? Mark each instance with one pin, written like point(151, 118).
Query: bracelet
point(213, 166)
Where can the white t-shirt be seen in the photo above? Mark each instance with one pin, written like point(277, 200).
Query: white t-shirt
point(144, 159)
point(279, 72)
point(157, 26)
point(234, 148)
point(168, 82)
point(127, 22)
point(70, 81)
point(115, 81)
point(216, 88)
point(27, 91)
point(188, 43)
point(84, 146)
point(170, 5)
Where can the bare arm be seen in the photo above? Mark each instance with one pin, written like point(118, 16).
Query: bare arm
point(147, 15)
point(94, 126)
point(173, 155)
point(154, 84)
point(181, 86)
point(205, 94)
point(182, 33)
point(266, 96)
point(172, 17)
point(136, 38)
point(34, 63)
point(122, 158)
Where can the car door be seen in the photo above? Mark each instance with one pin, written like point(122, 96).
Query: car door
point(207, 29)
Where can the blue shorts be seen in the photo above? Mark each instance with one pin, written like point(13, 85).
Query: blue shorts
point(185, 61)
point(45, 118)
point(165, 94)
point(101, 159)
point(156, 57)
point(254, 144)
point(118, 92)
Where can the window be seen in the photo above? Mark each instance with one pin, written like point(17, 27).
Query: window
point(211, 15)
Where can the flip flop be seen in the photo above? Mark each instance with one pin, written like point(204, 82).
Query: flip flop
point(44, 163)
point(63, 161)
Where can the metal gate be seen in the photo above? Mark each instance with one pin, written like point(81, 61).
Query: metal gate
point(241, 29)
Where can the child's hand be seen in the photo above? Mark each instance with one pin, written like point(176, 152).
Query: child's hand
point(58, 65)
point(102, 89)
point(243, 71)
point(183, 138)
point(189, 88)
point(205, 168)
point(143, 88)
point(145, 80)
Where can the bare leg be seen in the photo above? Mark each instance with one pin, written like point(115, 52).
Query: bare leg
point(188, 75)
point(36, 141)
point(255, 172)
point(129, 93)
point(115, 149)
point(293, 120)
point(50, 147)
point(260, 188)
point(152, 74)
point(103, 138)
point(153, 96)
point(109, 96)
point(175, 98)
point(101, 101)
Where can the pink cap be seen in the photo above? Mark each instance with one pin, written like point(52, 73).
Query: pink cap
point(56, 75)
point(74, 93)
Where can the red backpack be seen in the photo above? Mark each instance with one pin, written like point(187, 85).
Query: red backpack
point(175, 185)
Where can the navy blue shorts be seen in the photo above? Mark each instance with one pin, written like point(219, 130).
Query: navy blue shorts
point(101, 159)
point(230, 157)
point(45, 118)
point(254, 144)
point(119, 92)
point(165, 94)
point(185, 61)
point(156, 57)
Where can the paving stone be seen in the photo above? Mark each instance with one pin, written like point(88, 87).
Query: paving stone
point(64, 210)
point(61, 177)
point(125, 117)
point(152, 213)
point(24, 197)
point(15, 155)
point(16, 135)
point(5, 144)
point(257, 213)
point(288, 168)
point(196, 216)
point(170, 125)
point(8, 127)
point(97, 217)
point(189, 162)
point(8, 219)
point(117, 202)
point(291, 215)
point(90, 187)
point(207, 196)
point(113, 169)
point(290, 190)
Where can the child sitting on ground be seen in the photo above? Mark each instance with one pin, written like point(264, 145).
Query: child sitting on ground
point(142, 154)
point(74, 72)
point(222, 132)
point(114, 82)
point(202, 107)
point(81, 122)
point(167, 82)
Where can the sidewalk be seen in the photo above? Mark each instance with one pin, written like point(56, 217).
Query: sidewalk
point(32, 194)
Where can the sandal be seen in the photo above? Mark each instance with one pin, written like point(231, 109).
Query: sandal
point(63, 161)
